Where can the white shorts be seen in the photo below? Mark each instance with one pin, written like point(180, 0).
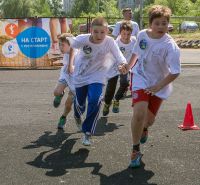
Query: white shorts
point(66, 79)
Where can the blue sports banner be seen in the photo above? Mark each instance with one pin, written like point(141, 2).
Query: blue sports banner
point(25, 40)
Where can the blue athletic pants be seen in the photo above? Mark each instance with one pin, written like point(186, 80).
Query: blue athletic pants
point(93, 94)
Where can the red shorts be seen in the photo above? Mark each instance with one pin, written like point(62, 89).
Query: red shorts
point(154, 101)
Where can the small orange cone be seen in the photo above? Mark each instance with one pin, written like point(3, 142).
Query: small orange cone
point(188, 123)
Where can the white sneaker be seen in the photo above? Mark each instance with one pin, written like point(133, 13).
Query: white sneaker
point(78, 123)
point(86, 140)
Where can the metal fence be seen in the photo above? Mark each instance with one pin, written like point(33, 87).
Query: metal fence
point(77, 25)
point(175, 21)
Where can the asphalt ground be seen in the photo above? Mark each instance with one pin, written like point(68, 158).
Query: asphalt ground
point(190, 57)
point(33, 152)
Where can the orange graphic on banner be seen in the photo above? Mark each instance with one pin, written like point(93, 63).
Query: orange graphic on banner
point(12, 30)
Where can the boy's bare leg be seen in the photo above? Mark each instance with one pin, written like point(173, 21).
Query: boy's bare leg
point(58, 93)
point(149, 119)
point(68, 104)
point(140, 111)
point(67, 109)
point(59, 89)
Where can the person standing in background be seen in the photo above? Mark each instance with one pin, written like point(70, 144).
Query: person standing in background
point(127, 14)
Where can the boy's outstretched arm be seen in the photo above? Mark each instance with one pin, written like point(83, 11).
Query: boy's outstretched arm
point(132, 61)
point(168, 79)
point(71, 61)
point(124, 68)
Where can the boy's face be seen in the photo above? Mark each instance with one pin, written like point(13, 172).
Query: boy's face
point(159, 27)
point(64, 47)
point(98, 34)
point(127, 15)
point(125, 36)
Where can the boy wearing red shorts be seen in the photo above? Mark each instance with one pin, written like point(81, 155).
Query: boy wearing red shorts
point(157, 66)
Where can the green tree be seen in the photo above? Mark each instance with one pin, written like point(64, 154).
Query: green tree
point(56, 7)
point(24, 8)
point(197, 8)
point(148, 2)
point(178, 7)
point(86, 6)
point(106, 7)
point(41, 8)
point(110, 8)
point(15, 8)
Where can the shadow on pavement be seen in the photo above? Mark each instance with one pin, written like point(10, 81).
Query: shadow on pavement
point(49, 140)
point(138, 176)
point(104, 127)
point(60, 158)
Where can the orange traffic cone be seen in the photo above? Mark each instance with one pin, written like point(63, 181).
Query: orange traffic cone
point(188, 123)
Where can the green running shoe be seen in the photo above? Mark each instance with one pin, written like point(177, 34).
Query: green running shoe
point(115, 106)
point(61, 123)
point(106, 109)
point(57, 100)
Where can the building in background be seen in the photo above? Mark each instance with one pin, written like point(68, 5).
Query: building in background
point(128, 4)
point(68, 4)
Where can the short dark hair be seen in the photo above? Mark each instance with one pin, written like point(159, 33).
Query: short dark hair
point(126, 25)
point(126, 10)
point(157, 11)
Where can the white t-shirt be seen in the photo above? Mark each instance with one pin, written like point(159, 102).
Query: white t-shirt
point(127, 50)
point(156, 59)
point(92, 62)
point(65, 59)
point(116, 30)
point(65, 77)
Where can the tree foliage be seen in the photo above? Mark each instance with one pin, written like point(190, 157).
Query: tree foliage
point(16, 8)
point(178, 7)
point(24, 8)
point(110, 8)
point(41, 8)
point(56, 7)
point(105, 7)
point(86, 6)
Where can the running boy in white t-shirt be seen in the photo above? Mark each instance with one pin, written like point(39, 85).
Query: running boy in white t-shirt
point(90, 73)
point(157, 66)
point(65, 79)
point(125, 43)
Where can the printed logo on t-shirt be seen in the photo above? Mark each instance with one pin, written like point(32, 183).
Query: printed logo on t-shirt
point(143, 44)
point(122, 49)
point(87, 49)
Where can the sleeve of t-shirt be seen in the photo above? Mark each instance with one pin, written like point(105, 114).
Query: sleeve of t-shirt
point(116, 29)
point(78, 41)
point(119, 57)
point(136, 47)
point(173, 59)
point(65, 59)
point(136, 29)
